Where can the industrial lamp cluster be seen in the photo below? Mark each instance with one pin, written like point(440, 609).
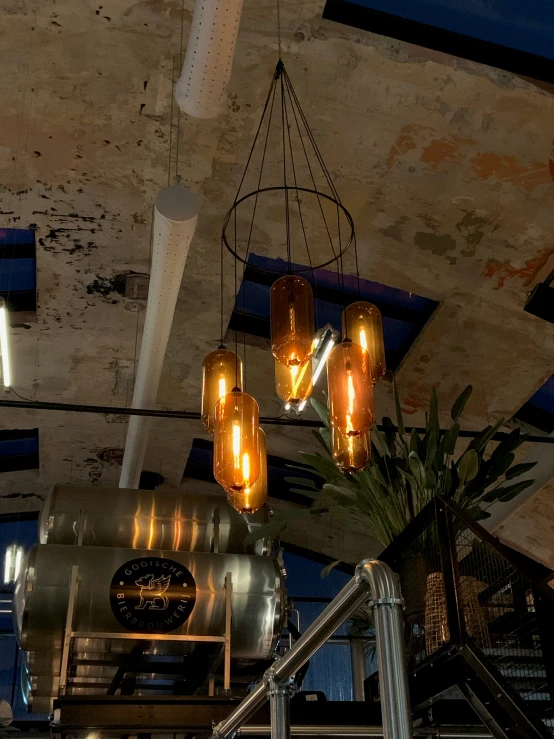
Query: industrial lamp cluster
point(353, 366)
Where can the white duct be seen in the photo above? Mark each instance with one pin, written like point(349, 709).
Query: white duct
point(175, 216)
point(209, 58)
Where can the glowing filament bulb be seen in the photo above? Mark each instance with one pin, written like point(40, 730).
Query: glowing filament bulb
point(236, 442)
point(350, 389)
point(363, 339)
point(246, 469)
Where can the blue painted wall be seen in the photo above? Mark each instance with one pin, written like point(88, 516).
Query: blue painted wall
point(526, 25)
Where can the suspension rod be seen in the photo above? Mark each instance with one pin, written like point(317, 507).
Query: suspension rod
point(41, 405)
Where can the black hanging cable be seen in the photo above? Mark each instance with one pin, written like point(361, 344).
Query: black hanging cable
point(266, 104)
point(221, 293)
point(236, 330)
point(300, 216)
point(312, 177)
point(280, 67)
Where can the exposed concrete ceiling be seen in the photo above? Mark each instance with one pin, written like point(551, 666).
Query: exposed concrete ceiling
point(443, 163)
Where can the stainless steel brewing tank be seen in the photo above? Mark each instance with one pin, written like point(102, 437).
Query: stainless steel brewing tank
point(147, 519)
point(42, 591)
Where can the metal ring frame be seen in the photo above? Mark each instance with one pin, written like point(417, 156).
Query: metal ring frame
point(287, 188)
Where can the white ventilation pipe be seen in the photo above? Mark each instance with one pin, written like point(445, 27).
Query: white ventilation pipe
point(175, 216)
point(209, 58)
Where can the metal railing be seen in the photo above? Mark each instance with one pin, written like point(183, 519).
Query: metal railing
point(375, 580)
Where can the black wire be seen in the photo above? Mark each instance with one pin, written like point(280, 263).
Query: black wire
point(236, 330)
point(303, 227)
point(291, 92)
point(221, 290)
point(285, 183)
point(273, 84)
point(29, 400)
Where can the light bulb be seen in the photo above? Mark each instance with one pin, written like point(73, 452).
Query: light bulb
point(350, 453)
point(362, 324)
point(5, 344)
point(253, 498)
point(350, 389)
point(221, 372)
point(293, 384)
point(236, 442)
point(292, 320)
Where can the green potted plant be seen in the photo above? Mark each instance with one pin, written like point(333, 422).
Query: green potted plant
point(405, 472)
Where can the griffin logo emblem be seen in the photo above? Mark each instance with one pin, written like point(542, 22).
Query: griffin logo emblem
point(152, 589)
point(152, 595)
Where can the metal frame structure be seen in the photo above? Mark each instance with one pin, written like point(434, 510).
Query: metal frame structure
point(70, 634)
point(375, 580)
point(459, 662)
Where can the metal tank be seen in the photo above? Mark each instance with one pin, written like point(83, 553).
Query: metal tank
point(147, 519)
point(42, 591)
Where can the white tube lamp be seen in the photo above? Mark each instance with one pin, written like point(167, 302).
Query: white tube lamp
point(207, 67)
point(324, 341)
point(175, 217)
point(12, 562)
point(5, 344)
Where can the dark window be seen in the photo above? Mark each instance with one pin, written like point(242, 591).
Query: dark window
point(18, 269)
point(19, 450)
point(404, 314)
point(539, 409)
point(516, 36)
point(200, 465)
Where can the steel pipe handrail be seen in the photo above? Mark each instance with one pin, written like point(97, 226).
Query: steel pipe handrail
point(451, 732)
point(373, 578)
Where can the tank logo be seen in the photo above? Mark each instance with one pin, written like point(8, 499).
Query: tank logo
point(152, 595)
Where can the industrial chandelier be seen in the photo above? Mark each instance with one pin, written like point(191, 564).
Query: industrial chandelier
point(287, 191)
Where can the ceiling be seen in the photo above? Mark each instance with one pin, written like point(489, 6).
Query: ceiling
point(443, 163)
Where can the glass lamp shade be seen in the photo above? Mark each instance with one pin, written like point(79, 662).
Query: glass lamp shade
point(361, 323)
point(252, 499)
point(350, 453)
point(350, 389)
point(292, 320)
point(221, 372)
point(236, 442)
point(293, 384)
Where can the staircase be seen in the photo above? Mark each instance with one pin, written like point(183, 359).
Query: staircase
point(479, 624)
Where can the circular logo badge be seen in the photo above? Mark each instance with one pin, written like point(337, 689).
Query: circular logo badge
point(151, 595)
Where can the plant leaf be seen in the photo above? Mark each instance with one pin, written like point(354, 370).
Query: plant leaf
point(429, 448)
point(450, 439)
point(341, 496)
point(399, 418)
point(506, 493)
point(433, 422)
point(314, 494)
point(380, 442)
point(460, 403)
point(326, 571)
point(499, 466)
point(519, 469)
point(323, 437)
point(418, 470)
point(510, 491)
point(270, 530)
point(411, 479)
point(414, 441)
point(321, 410)
point(468, 466)
point(481, 441)
point(306, 481)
